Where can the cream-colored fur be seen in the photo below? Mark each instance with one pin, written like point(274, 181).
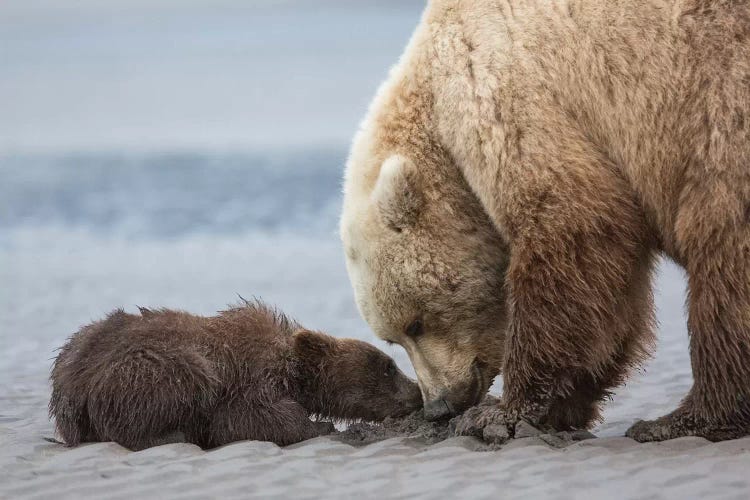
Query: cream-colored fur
point(515, 177)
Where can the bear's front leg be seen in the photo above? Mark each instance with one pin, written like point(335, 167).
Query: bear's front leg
point(578, 285)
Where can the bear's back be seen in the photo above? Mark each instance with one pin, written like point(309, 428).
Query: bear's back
point(252, 347)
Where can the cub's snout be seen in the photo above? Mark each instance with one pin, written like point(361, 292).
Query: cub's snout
point(410, 397)
point(369, 383)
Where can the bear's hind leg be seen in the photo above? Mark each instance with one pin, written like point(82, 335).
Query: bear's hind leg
point(713, 232)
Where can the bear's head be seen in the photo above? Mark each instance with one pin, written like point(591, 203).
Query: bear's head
point(428, 267)
point(350, 379)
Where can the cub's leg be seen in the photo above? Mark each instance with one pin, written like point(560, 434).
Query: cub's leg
point(282, 422)
point(713, 234)
point(578, 237)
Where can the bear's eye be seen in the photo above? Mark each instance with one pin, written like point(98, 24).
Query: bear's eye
point(391, 369)
point(415, 329)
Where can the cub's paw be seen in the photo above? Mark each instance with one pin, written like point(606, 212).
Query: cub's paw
point(493, 424)
point(323, 428)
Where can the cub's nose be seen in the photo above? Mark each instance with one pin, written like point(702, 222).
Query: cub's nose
point(437, 409)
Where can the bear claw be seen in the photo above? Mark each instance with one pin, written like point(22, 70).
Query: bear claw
point(496, 434)
point(489, 423)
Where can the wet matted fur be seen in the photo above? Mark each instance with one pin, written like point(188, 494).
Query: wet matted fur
point(247, 373)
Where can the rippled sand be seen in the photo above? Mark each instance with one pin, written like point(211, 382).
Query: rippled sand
point(64, 280)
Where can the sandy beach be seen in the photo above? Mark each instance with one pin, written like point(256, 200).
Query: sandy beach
point(178, 154)
point(52, 295)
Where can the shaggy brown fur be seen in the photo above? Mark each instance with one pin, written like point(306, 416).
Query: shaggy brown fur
point(590, 136)
point(248, 373)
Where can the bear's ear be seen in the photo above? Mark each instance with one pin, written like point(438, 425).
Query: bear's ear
point(397, 194)
point(309, 343)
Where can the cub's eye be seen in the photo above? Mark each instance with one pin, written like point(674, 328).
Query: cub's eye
point(391, 369)
point(415, 329)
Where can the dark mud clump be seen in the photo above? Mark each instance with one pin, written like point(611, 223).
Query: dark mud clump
point(412, 426)
point(415, 427)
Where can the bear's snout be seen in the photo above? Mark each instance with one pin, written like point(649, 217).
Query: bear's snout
point(438, 409)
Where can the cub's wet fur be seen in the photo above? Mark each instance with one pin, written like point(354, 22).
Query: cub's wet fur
point(247, 373)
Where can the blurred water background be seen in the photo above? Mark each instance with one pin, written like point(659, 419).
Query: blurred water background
point(180, 152)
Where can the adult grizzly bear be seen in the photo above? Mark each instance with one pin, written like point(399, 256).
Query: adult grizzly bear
point(514, 181)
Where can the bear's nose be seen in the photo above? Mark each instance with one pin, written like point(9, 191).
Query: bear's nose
point(437, 409)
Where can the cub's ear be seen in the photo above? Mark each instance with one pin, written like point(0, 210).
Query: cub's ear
point(397, 194)
point(312, 343)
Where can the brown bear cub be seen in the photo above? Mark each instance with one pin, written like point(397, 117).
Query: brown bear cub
point(247, 373)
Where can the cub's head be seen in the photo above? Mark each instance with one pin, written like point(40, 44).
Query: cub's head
point(427, 267)
point(354, 380)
